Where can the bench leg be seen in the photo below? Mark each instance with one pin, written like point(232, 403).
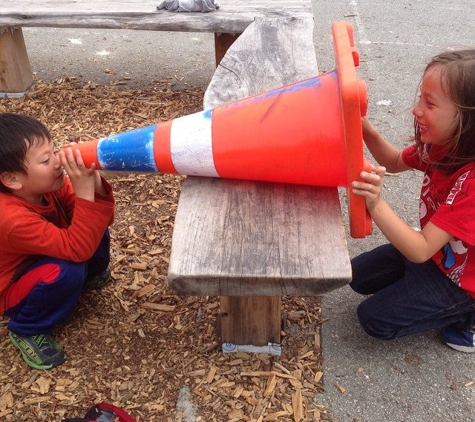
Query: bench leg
point(221, 44)
point(16, 77)
point(250, 320)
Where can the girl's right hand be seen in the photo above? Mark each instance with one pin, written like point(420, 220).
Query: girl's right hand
point(371, 187)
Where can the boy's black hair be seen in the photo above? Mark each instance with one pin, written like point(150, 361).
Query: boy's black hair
point(18, 132)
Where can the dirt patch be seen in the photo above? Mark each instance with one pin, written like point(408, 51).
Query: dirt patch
point(135, 343)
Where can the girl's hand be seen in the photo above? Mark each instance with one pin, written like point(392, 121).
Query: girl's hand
point(371, 187)
point(83, 179)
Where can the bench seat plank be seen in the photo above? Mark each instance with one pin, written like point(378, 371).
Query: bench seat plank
point(233, 16)
point(240, 238)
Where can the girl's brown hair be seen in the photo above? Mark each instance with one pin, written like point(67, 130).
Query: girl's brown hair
point(458, 80)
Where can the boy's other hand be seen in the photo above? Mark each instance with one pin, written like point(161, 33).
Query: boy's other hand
point(82, 178)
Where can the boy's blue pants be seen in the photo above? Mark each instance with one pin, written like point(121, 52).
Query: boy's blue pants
point(48, 291)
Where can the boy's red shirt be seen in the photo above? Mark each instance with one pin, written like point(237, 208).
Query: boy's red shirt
point(66, 227)
point(448, 201)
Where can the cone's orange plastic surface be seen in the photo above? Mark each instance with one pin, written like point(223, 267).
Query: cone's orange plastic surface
point(308, 132)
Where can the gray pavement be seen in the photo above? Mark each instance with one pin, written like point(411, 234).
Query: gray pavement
point(412, 379)
point(417, 378)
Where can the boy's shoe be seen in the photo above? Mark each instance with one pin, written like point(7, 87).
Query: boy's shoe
point(98, 281)
point(39, 351)
point(463, 341)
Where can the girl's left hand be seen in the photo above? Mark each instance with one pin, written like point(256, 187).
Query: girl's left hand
point(371, 187)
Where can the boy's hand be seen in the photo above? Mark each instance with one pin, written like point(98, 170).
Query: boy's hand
point(83, 179)
point(372, 186)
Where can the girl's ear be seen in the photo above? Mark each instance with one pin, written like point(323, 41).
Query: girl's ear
point(10, 181)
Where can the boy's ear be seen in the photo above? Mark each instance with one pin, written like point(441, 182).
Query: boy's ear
point(10, 181)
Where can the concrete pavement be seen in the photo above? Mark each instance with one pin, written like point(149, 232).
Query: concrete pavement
point(416, 378)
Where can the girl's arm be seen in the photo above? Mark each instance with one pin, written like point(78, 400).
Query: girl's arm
point(383, 152)
point(415, 246)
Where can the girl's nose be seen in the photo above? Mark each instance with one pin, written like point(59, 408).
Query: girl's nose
point(417, 111)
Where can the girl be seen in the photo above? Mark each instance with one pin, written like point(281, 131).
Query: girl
point(425, 279)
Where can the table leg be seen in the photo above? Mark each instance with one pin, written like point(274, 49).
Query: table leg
point(16, 77)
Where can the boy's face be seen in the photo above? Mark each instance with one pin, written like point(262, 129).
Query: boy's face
point(44, 172)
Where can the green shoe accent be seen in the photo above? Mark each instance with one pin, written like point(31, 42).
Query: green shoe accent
point(39, 351)
point(98, 281)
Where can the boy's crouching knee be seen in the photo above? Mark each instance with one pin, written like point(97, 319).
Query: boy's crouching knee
point(71, 276)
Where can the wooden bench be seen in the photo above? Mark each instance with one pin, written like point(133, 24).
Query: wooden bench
point(230, 20)
point(251, 242)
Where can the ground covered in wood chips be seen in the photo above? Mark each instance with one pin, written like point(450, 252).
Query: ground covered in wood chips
point(135, 343)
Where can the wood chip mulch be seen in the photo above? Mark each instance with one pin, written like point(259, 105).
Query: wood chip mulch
point(136, 343)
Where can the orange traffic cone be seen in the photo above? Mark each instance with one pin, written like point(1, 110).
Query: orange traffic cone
point(308, 132)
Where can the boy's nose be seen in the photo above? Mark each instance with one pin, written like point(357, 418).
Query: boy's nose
point(57, 161)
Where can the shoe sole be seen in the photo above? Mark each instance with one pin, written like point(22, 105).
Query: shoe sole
point(464, 349)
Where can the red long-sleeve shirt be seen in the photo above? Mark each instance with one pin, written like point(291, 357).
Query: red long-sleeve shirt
point(66, 227)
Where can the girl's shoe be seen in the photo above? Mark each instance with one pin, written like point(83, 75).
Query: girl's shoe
point(463, 341)
point(39, 351)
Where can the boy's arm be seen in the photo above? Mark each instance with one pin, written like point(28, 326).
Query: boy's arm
point(30, 233)
point(99, 186)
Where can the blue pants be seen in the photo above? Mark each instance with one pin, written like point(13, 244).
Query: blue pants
point(407, 298)
point(48, 291)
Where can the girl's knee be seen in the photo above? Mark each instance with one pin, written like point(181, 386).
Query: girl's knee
point(373, 324)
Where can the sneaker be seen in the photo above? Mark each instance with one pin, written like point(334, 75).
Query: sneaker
point(98, 281)
point(463, 341)
point(39, 351)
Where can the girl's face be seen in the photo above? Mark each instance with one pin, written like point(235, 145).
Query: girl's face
point(44, 173)
point(435, 113)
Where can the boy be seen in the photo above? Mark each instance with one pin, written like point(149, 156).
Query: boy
point(54, 238)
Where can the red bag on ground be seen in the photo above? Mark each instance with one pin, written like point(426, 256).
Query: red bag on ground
point(104, 412)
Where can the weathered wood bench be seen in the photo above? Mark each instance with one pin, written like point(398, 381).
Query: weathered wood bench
point(230, 20)
point(251, 242)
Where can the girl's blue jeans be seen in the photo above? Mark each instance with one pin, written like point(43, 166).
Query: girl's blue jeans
point(407, 298)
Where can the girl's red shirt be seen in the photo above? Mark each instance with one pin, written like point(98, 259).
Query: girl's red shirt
point(448, 201)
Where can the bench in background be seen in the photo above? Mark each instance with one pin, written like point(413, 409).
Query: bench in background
point(230, 20)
